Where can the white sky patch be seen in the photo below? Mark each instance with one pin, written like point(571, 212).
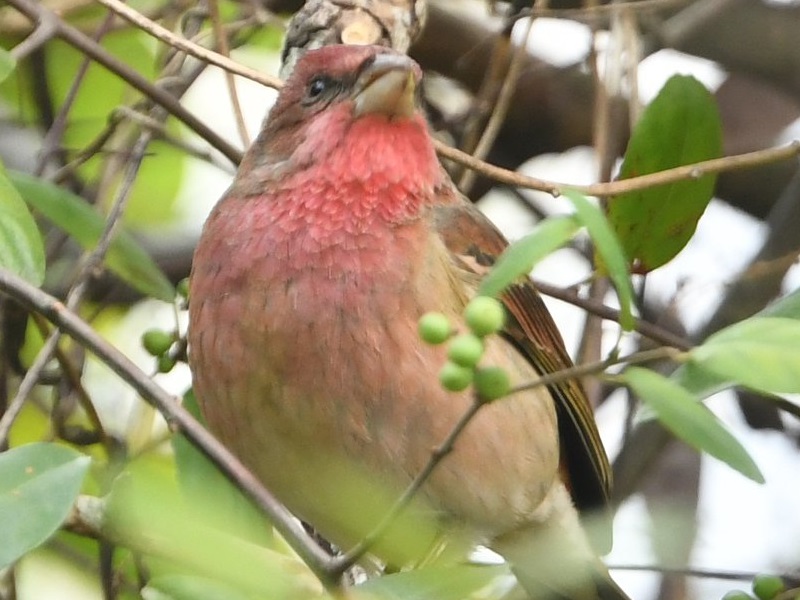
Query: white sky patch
point(557, 41)
point(119, 406)
point(725, 240)
point(739, 517)
point(203, 185)
point(632, 547)
point(576, 166)
point(791, 133)
point(44, 574)
point(792, 280)
point(660, 66)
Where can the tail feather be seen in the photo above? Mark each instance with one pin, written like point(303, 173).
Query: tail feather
point(557, 579)
point(553, 559)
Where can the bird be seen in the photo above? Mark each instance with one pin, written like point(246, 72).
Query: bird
point(340, 230)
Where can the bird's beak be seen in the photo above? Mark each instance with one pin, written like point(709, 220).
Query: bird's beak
point(388, 87)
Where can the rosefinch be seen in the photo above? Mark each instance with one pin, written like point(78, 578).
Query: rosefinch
point(340, 230)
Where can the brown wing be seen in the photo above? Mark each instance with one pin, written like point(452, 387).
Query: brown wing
point(584, 465)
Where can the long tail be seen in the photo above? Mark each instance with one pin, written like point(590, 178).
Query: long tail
point(549, 570)
point(553, 559)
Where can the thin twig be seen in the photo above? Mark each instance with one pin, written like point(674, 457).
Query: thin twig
point(792, 580)
point(605, 83)
point(694, 171)
point(597, 367)
point(73, 377)
point(209, 56)
point(46, 29)
point(52, 142)
point(95, 146)
point(90, 261)
point(647, 329)
point(591, 12)
point(94, 259)
point(159, 130)
point(38, 12)
point(26, 386)
point(224, 50)
point(347, 560)
point(501, 107)
point(485, 98)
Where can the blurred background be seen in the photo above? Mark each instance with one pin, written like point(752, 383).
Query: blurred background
point(686, 520)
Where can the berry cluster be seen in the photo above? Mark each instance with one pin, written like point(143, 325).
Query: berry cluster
point(483, 316)
point(765, 587)
point(168, 347)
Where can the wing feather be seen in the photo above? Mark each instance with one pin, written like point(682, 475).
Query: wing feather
point(476, 243)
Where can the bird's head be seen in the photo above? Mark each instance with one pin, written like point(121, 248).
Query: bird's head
point(329, 91)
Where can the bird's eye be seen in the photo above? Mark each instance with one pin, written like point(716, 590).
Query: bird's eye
point(319, 87)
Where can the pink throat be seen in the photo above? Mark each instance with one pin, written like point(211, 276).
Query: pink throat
point(358, 177)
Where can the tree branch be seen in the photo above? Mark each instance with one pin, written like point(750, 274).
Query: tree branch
point(169, 406)
point(208, 56)
point(693, 171)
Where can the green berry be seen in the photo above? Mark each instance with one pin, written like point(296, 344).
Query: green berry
point(157, 341)
point(434, 328)
point(454, 377)
point(484, 315)
point(465, 350)
point(166, 363)
point(766, 587)
point(492, 383)
point(737, 595)
point(183, 288)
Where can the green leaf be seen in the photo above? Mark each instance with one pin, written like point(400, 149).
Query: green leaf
point(158, 180)
point(520, 257)
point(698, 381)
point(91, 107)
point(190, 587)
point(21, 248)
point(690, 420)
point(75, 216)
point(152, 199)
point(788, 307)
point(226, 506)
point(762, 353)
point(432, 583)
point(681, 126)
point(609, 250)
point(153, 195)
point(38, 485)
point(702, 382)
point(147, 511)
point(7, 64)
